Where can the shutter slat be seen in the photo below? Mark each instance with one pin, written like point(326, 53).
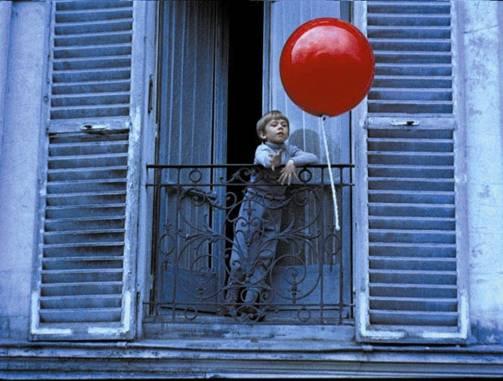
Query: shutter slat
point(80, 275)
point(85, 210)
point(417, 223)
point(82, 301)
point(108, 235)
point(81, 288)
point(83, 315)
point(401, 263)
point(103, 38)
point(93, 51)
point(403, 44)
point(379, 93)
point(421, 197)
point(414, 69)
point(93, 15)
point(437, 318)
point(91, 146)
point(413, 236)
point(87, 173)
point(91, 75)
point(413, 250)
point(86, 198)
point(419, 158)
point(75, 245)
point(411, 144)
point(89, 250)
point(76, 160)
point(411, 210)
point(91, 4)
point(413, 304)
point(410, 290)
point(73, 263)
point(92, 63)
point(413, 277)
point(385, 31)
point(89, 186)
point(406, 20)
point(90, 99)
point(410, 107)
point(93, 26)
point(412, 81)
point(413, 263)
point(410, 171)
point(412, 57)
point(80, 88)
point(86, 112)
point(410, 133)
point(404, 7)
point(420, 184)
point(84, 223)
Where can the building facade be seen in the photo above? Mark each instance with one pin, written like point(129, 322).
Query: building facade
point(125, 132)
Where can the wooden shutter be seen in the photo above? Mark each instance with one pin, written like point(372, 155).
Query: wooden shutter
point(192, 132)
point(84, 286)
point(409, 230)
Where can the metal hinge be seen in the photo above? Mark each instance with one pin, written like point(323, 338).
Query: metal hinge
point(406, 123)
point(150, 93)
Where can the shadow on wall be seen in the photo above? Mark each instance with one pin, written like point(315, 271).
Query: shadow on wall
point(307, 140)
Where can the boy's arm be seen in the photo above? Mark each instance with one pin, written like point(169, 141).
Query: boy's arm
point(267, 157)
point(263, 156)
point(301, 158)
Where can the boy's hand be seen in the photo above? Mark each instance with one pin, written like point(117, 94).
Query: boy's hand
point(275, 159)
point(287, 173)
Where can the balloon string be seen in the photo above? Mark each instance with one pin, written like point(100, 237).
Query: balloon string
point(332, 185)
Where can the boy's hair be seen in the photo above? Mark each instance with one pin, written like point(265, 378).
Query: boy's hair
point(267, 117)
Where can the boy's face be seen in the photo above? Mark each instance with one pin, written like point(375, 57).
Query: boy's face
point(276, 131)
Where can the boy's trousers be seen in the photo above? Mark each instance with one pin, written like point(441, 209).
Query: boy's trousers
point(256, 237)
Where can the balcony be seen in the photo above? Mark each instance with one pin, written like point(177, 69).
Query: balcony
point(232, 245)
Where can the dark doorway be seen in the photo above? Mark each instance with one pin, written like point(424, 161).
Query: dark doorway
point(245, 78)
point(244, 99)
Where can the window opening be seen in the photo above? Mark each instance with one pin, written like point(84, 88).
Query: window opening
point(197, 197)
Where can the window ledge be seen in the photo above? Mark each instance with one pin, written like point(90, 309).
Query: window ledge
point(220, 358)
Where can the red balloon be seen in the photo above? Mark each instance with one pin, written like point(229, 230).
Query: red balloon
point(327, 66)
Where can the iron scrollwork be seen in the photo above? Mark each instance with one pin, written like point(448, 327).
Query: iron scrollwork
point(235, 245)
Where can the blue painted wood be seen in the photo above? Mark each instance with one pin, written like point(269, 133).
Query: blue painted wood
point(412, 46)
point(411, 176)
point(84, 289)
point(91, 66)
point(284, 17)
point(192, 131)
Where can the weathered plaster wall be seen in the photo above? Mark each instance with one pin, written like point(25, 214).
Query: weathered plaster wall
point(19, 163)
point(482, 30)
point(483, 76)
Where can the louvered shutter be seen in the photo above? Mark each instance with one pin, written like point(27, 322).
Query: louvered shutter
point(84, 284)
point(409, 221)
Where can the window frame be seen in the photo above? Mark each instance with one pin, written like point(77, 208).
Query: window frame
point(325, 333)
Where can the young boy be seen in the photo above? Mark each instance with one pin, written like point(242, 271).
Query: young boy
point(259, 221)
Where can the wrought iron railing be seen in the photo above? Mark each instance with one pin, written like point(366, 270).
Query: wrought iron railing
point(230, 243)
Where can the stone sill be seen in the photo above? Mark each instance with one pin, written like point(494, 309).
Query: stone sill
point(200, 358)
